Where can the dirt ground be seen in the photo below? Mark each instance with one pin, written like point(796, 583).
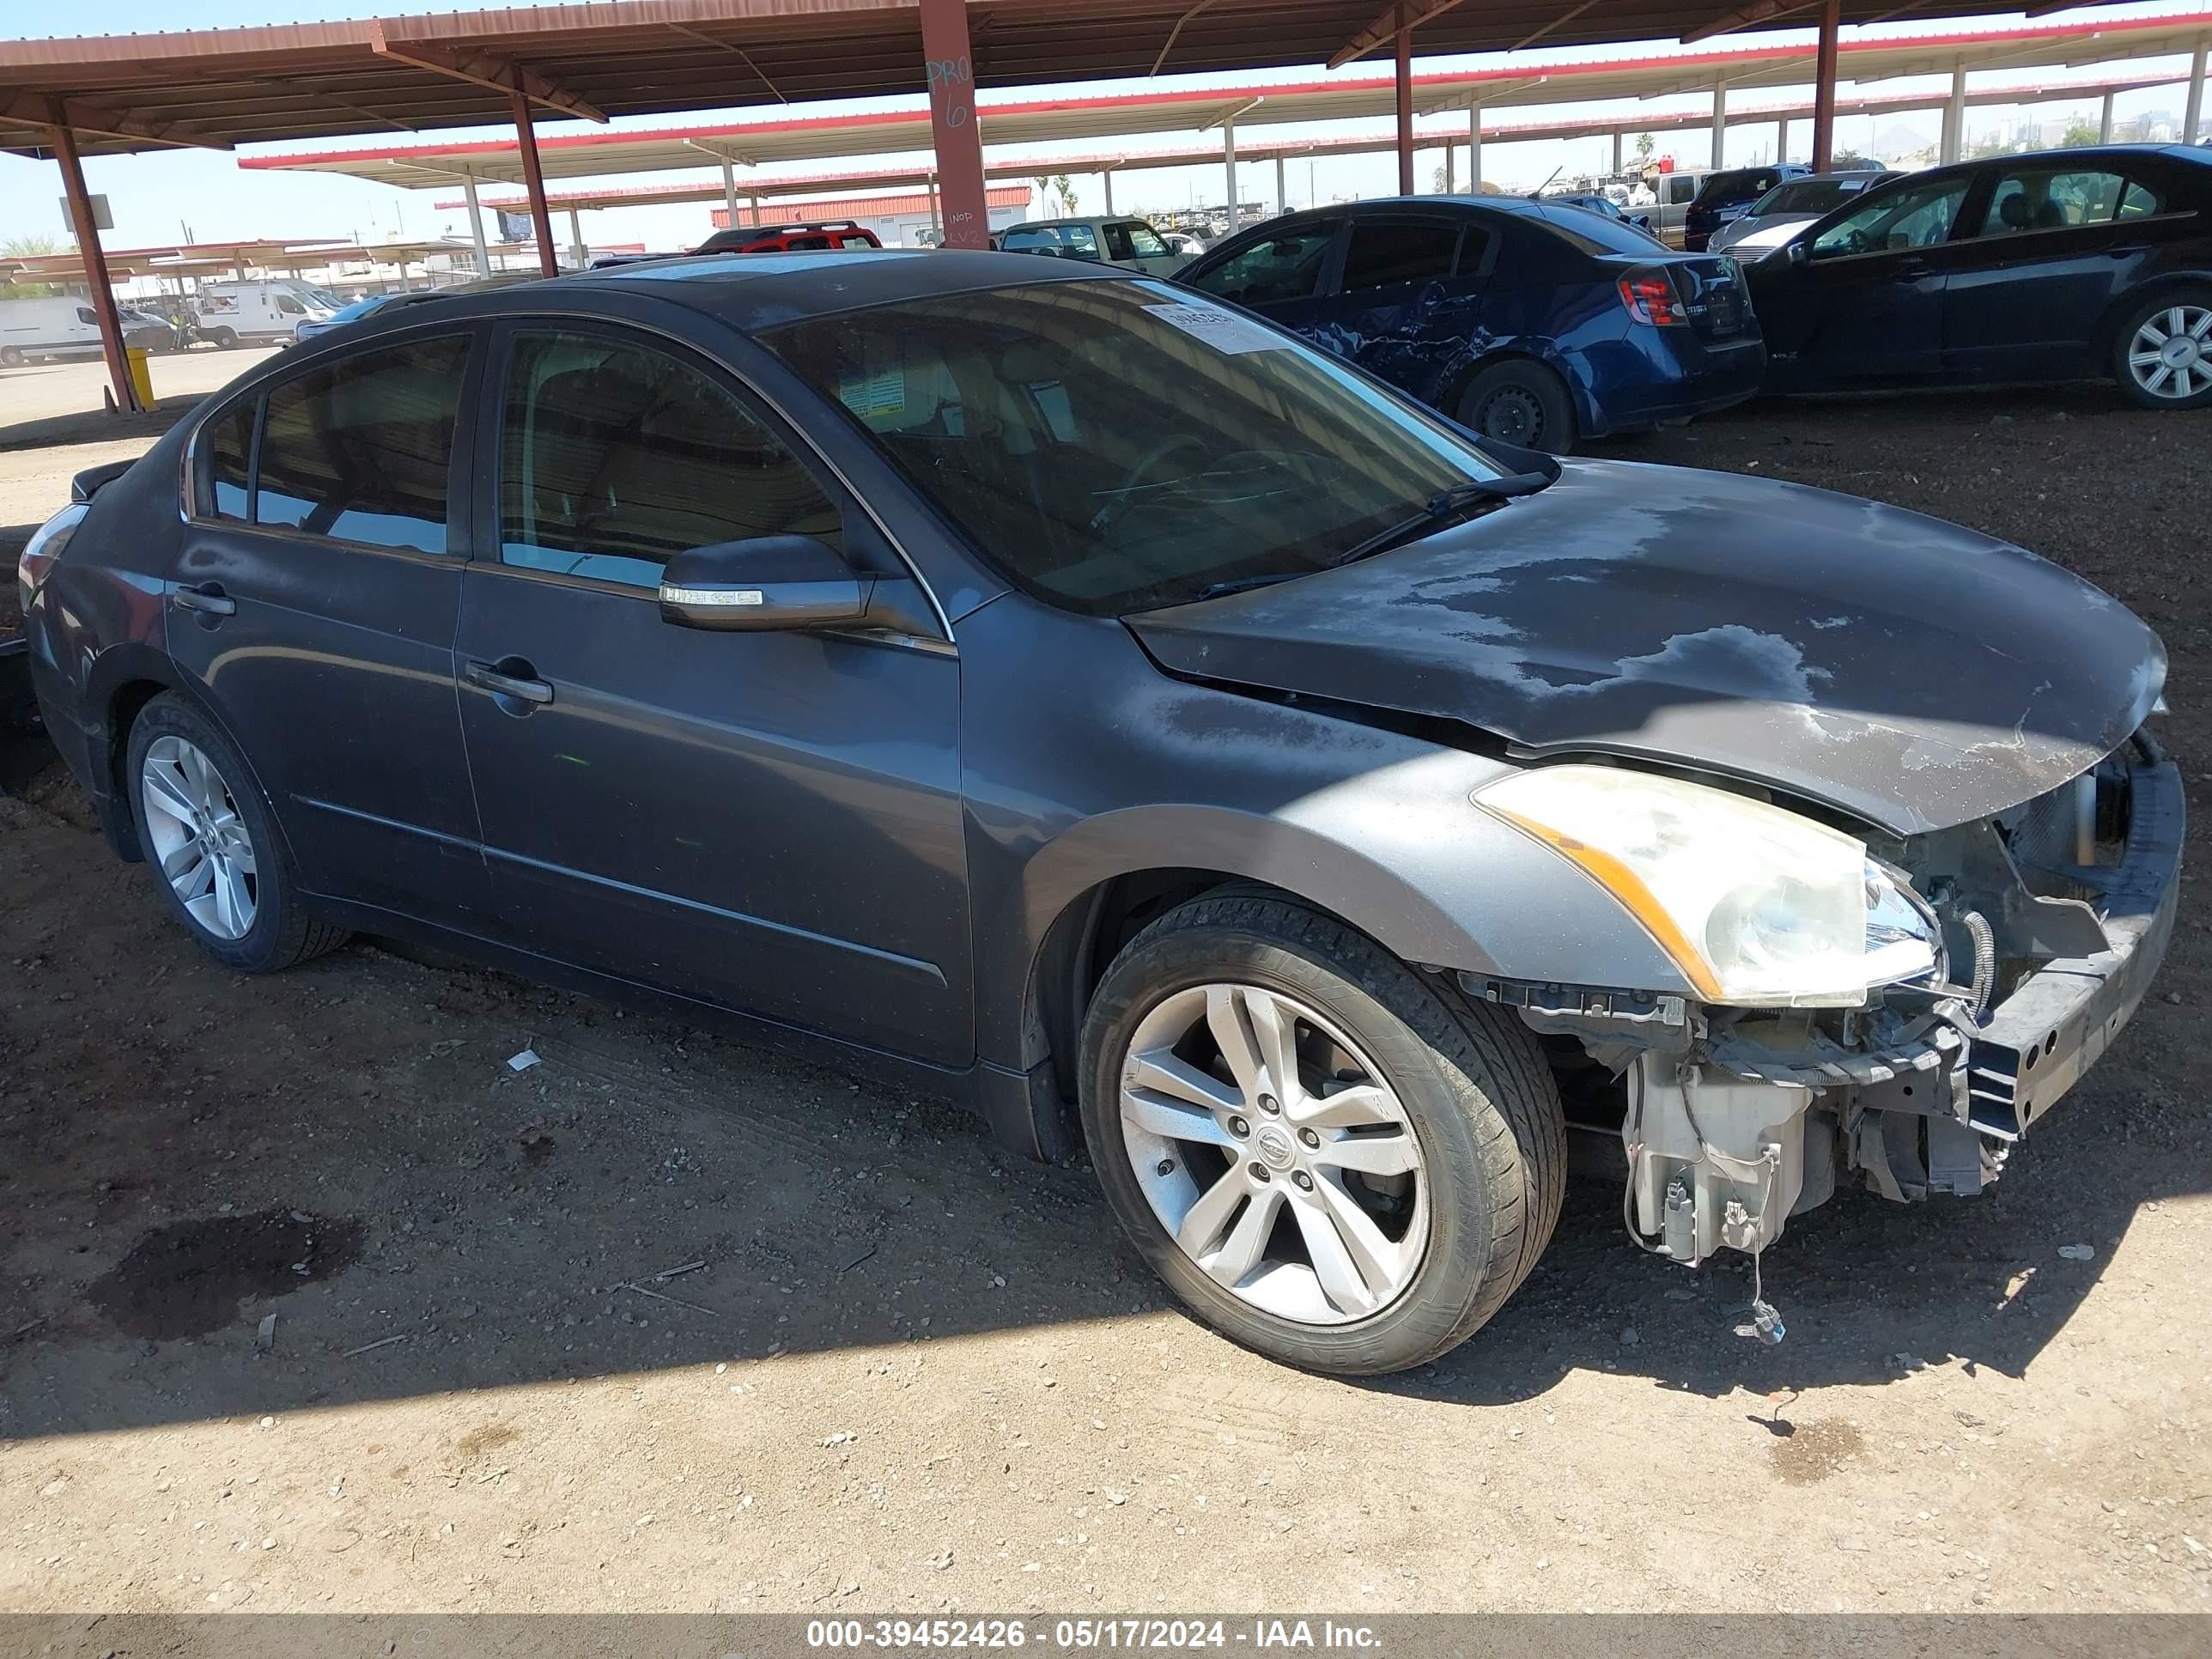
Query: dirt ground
point(669, 1323)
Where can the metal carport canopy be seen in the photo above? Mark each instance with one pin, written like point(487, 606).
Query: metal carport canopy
point(226, 87)
point(1533, 83)
point(911, 176)
point(218, 89)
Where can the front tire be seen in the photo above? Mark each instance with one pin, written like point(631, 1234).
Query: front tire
point(1332, 1159)
point(2162, 355)
point(1522, 403)
point(212, 845)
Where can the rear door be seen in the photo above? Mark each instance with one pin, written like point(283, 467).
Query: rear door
point(314, 607)
point(1280, 276)
point(768, 821)
point(2055, 245)
point(1406, 297)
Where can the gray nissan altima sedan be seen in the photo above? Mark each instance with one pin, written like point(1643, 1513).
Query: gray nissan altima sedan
point(1320, 813)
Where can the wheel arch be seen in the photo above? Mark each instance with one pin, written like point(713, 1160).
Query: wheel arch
point(2157, 288)
point(121, 696)
point(1433, 882)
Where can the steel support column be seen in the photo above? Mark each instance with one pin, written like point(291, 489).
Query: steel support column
point(951, 74)
point(1824, 85)
point(1451, 161)
point(1954, 116)
point(730, 189)
point(476, 223)
point(1720, 123)
point(1229, 166)
point(2192, 115)
point(2105, 121)
point(1282, 191)
point(1474, 150)
point(1782, 139)
point(1618, 154)
point(1404, 88)
point(533, 180)
point(1106, 177)
point(95, 268)
point(576, 239)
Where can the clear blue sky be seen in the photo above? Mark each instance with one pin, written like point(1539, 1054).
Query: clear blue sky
point(156, 196)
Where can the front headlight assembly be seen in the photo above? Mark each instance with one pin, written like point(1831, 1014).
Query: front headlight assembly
point(1757, 906)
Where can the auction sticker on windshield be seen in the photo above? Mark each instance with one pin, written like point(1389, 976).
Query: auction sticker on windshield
point(1224, 331)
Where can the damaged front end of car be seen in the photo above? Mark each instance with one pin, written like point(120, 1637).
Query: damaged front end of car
point(2000, 957)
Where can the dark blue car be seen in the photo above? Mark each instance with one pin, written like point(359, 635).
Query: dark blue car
point(2067, 264)
point(1533, 323)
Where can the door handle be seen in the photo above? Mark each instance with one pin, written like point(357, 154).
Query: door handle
point(1910, 271)
point(207, 597)
point(494, 676)
point(2129, 251)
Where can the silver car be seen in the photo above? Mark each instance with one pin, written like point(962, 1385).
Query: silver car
point(1130, 243)
point(1767, 223)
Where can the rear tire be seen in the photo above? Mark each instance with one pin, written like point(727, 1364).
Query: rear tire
point(224, 340)
point(11, 356)
point(212, 846)
point(2162, 353)
point(1468, 1156)
point(1519, 401)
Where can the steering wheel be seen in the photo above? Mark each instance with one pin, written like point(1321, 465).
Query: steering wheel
point(1147, 465)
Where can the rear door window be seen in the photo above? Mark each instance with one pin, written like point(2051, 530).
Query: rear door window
point(1388, 253)
point(230, 462)
point(359, 450)
point(1274, 268)
point(2052, 199)
point(1118, 246)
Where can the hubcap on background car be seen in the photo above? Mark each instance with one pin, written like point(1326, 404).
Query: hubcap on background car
point(2171, 356)
point(1274, 1153)
point(199, 839)
point(1512, 415)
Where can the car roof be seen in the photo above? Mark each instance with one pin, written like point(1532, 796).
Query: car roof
point(758, 290)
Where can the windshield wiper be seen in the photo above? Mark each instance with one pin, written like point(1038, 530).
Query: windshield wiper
point(1246, 584)
point(1447, 504)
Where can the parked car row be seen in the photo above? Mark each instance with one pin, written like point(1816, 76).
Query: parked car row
point(1542, 324)
point(1032, 683)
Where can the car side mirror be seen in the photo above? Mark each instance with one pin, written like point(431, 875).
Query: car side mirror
point(1801, 253)
point(765, 583)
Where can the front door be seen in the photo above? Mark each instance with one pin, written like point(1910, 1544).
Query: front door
point(315, 605)
point(768, 821)
point(1865, 302)
point(2056, 246)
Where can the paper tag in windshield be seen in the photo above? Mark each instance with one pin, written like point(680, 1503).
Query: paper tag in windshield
point(1224, 331)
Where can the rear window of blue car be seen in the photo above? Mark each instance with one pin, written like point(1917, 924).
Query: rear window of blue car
point(1593, 233)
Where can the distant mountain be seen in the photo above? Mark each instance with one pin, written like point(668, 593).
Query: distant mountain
point(1897, 139)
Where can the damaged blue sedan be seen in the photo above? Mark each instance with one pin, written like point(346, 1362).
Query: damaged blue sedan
point(1322, 813)
point(1534, 323)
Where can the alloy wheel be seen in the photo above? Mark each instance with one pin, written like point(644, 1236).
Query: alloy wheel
point(2171, 356)
point(1275, 1153)
point(199, 839)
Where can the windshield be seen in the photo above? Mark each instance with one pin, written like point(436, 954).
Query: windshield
point(1114, 447)
point(1812, 197)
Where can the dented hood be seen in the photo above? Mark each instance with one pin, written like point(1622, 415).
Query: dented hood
point(1908, 672)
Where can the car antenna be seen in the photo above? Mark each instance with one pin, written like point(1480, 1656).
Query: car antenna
point(1537, 194)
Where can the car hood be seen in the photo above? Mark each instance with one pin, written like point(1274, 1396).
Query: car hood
point(1906, 671)
point(1758, 235)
